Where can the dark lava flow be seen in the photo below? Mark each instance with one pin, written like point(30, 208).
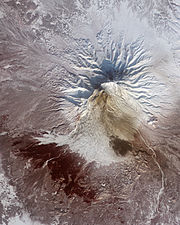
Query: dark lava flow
point(121, 147)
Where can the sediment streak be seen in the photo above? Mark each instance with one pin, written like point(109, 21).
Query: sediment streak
point(162, 176)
